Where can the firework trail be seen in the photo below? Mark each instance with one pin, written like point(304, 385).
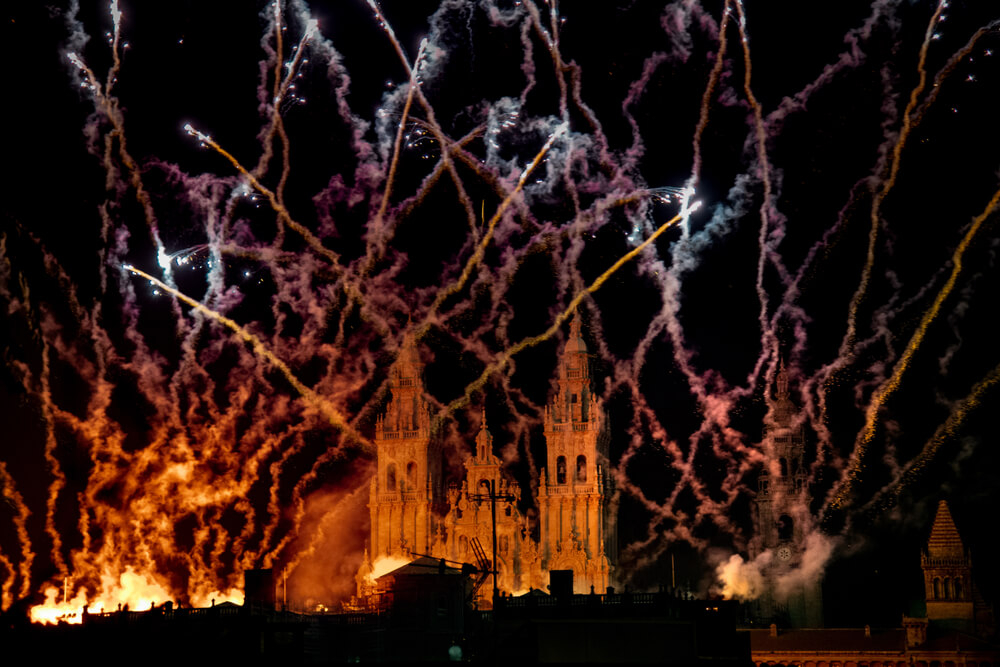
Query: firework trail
point(485, 200)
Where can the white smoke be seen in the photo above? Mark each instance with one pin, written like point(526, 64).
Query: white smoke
point(739, 579)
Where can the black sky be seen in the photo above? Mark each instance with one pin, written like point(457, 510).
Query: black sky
point(188, 63)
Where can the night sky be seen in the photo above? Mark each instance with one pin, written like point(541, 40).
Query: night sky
point(845, 224)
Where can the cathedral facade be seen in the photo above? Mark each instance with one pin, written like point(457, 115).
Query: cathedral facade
point(415, 511)
point(782, 520)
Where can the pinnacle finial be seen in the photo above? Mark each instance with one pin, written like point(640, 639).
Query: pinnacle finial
point(575, 343)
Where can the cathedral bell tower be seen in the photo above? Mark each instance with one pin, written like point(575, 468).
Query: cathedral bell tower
point(781, 515)
point(947, 574)
point(402, 494)
point(577, 532)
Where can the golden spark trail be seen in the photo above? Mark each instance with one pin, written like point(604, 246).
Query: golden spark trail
point(400, 131)
point(412, 73)
point(468, 160)
point(765, 168)
point(892, 384)
point(706, 99)
point(281, 87)
point(491, 228)
point(888, 184)
point(314, 399)
point(508, 354)
point(282, 212)
point(944, 432)
point(109, 107)
point(947, 69)
point(949, 428)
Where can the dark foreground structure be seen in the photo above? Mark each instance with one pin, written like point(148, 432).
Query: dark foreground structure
point(414, 626)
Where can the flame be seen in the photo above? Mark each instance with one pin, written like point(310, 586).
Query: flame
point(137, 592)
point(385, 565)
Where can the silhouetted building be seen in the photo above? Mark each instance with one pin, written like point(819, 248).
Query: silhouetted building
point(782, 520)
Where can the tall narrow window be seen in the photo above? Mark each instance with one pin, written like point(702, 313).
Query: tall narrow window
point(463, 545)
point(947, 588)
point(959, 593)
point(784, 467)
point(937, 588)
point(786, 527)
point(581, 469)
point(411, 476)
point(390, 477)
point(561, 470)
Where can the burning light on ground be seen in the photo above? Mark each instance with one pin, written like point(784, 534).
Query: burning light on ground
point(129, 591)
point(187, 422)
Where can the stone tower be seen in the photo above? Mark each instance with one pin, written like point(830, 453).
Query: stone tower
point(402, 491)
point(947, 574)
point(781, 516)
point(576, 530)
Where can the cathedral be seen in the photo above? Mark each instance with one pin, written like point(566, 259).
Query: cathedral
point(782, 520)
point(415, 511)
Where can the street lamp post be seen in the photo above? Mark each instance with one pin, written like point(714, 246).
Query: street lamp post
point(491, 495)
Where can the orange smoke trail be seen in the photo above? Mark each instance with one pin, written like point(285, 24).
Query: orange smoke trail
point(6, 597)
point(892, 384)
point(888, 183)
point(506, 355)
point(311, 397)
point(20, 519)
point(58, 477)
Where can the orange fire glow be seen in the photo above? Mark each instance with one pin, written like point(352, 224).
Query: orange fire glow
point(386, 564)
point(129, 590)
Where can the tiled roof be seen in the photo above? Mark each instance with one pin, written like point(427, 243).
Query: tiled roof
point(828, 640)
point(944, 541)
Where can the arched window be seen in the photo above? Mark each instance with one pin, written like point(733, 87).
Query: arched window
point(463, 545)
point(937, 588)
point(561, 470)
point(947, 588)
point(390, 477)
point(784, 467)
point(959, 593)
point(411, 476)
point(581, 468)
point(786, 527)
